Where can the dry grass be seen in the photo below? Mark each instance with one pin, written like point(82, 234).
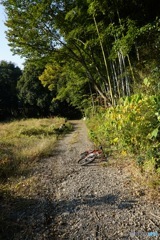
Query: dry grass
point(24, 142)
point(74, 138)
point(143, 184)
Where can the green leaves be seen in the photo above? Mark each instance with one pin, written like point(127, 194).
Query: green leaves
point(9, 76)
point(103, 40)
point(132, 126)
point(31, 27)
point(124, 35)
point(154, 133)
point(32, 94)
point(51, 75)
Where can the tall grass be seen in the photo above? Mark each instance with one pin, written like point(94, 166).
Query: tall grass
point(25, 141)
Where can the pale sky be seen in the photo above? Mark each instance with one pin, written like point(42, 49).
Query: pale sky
point(5, 53)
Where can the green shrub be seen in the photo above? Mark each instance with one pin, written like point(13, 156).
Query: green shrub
point(131, 126)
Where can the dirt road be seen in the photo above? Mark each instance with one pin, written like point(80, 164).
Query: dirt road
point(71, 202)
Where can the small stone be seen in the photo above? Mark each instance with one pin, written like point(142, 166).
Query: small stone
point(65, 214)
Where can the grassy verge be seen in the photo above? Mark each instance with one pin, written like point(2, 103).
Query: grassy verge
point(26, 141)
point(22, 144)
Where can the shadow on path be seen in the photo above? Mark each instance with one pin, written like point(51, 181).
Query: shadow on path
point(22, 218)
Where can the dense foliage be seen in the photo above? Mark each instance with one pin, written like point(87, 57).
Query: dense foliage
point(35, 100)
point(9, 76)
point(132, 126)
point(107, 41)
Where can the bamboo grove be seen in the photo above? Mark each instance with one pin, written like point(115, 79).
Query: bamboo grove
point(93, 50)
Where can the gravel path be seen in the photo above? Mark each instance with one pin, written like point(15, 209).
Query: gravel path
point(72, 202)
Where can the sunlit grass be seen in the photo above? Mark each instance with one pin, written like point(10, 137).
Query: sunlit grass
point(22, 142)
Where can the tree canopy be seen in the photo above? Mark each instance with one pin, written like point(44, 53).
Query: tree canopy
point(35, 100)
point(99, 46)
point(9, 76)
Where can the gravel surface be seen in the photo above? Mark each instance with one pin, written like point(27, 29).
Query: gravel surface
point(68, 201)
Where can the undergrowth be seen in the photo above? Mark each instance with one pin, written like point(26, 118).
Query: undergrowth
point(131, 127)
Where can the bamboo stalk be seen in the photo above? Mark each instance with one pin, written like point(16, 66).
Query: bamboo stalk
point(105, 61)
